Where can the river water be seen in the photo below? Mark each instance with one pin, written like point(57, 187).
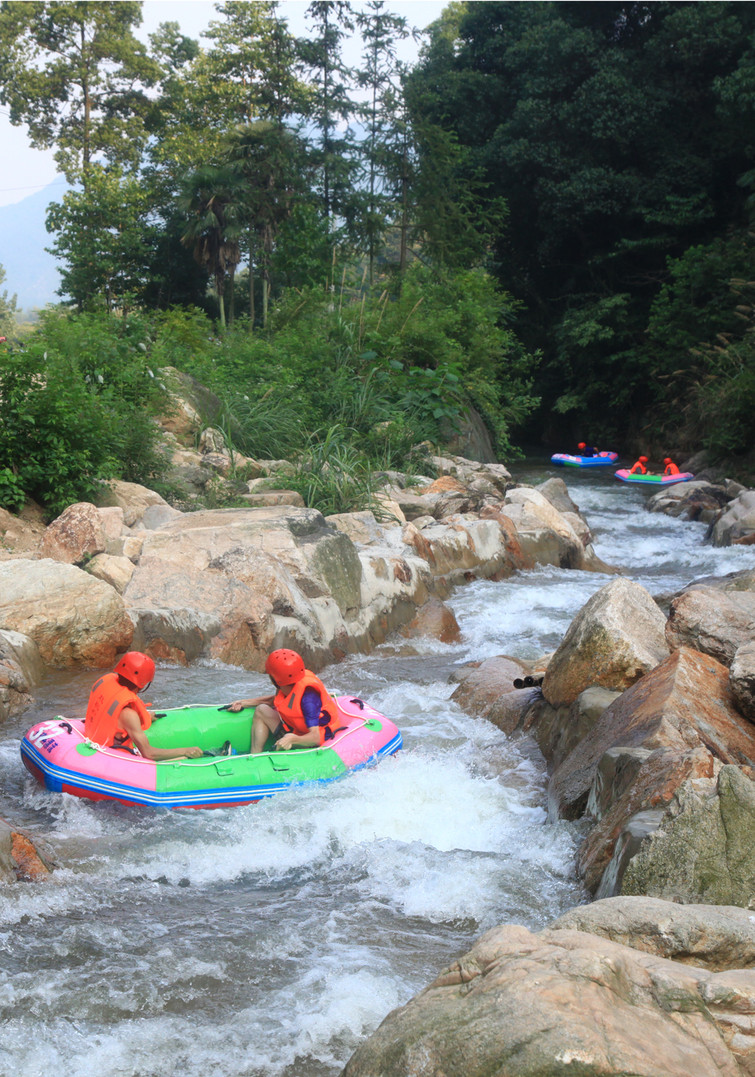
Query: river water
point(268, 940)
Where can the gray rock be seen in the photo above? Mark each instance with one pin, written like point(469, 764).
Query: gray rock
point(742, 679)
point(616, 637)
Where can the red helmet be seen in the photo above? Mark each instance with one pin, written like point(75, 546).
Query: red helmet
point(667, 460)
point(643, 459)
point(285, 667)
point(582, 445)
point(136, 668)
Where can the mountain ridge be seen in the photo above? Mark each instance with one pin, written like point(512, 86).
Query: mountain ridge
point(31, 273)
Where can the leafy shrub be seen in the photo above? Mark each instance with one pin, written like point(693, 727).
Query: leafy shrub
point(76, 409)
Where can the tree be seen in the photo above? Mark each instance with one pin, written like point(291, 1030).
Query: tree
point(77, 76)
point(101, 238)
point(210, 201)
point(330, 104)
point(601, 125)
point(381, 31)
point(266, 159)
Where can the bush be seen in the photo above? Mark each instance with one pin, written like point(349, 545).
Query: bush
point(76, 409)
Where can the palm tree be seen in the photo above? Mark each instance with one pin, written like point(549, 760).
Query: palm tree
point(210, 201)
point(268, 161)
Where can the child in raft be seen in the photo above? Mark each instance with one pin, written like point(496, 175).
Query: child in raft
point(301, 713)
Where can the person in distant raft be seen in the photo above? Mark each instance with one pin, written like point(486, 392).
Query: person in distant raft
point(117, 718)
point(587, 450)
point(671, 468)
point(301, 714)
point(638, 467)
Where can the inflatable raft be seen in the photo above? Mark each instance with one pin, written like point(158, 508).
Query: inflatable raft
point(653, 480)
point(61, 758)
point(603, 459)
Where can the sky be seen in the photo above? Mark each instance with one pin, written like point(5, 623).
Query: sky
point(24, 171)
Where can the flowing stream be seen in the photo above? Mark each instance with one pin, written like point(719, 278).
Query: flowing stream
point(268, 940)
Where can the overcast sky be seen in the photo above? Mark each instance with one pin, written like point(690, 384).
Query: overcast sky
point(23, 170)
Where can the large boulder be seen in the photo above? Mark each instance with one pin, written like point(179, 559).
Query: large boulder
point(714, 937)
point(544, 533)
point(74, 619)
point(558, 730)
point(712, 620)
point(625, 786)
point(75, 535)
point(132, 498)
point(742, 680)
point(21, 668)
point(234, 583)
point(565, 1002)
point(693, 500)
point(737, 524)
point(684, 703)
point(616, 637)
point(486, 689)
point(702, 848)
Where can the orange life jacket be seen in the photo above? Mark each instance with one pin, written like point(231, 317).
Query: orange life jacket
point(288, 705)
point(638, 468)
point(106, 701)
point(671, 469)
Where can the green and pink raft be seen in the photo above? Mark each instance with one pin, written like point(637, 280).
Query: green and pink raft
point(61, 758)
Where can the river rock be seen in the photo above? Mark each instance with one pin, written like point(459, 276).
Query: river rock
point(628, 784)
point(240, 582)
point(616, 637)
point(21, 858)
point(436, 620)
point(682, 704)
point(21, 668)
point(702, 850)
point(565, 1002)
point(694, 500)
point(737, 523)
point(74, 619)
point(558, 730)
point(715, 937)
point(486, 690)
point(742, 680)
point(73, 536)
point(466, 470)
point(543, 532)
point(712, 620)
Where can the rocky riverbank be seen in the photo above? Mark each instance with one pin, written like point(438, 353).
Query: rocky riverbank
point(645, 715)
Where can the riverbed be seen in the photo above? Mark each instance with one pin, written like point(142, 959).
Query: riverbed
point(268, 940)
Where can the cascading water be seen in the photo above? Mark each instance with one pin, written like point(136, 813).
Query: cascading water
point(266, 941)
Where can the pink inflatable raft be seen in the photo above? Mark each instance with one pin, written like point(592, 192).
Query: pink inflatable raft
point(60, 757)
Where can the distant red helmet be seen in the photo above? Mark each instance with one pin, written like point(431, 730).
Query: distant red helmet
point(667, 460)
point(582, 445)
point(137, 668)
point(285, 667)
point(643, 459)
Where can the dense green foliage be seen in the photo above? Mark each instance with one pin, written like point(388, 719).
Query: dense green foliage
point(618, 136)
point(76, 409)
point(548, 218)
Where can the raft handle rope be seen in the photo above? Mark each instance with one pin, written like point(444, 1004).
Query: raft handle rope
point(183, 762)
